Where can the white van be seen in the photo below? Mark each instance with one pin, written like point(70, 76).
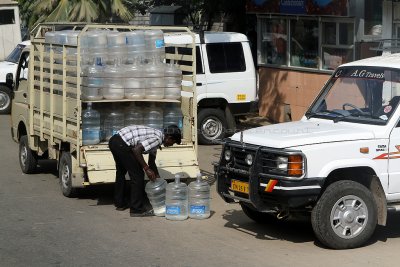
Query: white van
point(226, 81)
point(9, 65)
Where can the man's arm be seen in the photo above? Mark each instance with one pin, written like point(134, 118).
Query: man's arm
point(152, 164)
point(138, 153)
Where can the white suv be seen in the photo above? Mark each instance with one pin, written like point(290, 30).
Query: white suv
point(340, 162)
point(9, 65)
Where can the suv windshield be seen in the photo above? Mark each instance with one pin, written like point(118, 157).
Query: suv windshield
point(359, 94)
point(14, 55)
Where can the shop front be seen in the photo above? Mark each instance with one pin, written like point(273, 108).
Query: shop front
point(301, 42)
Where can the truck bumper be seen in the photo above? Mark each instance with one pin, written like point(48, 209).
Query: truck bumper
point(267, 192)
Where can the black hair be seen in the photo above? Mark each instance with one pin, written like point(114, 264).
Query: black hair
point(174, 132)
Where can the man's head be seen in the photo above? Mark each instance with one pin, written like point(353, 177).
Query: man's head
point(172, 135)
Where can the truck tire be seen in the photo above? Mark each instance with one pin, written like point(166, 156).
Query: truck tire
point(211, 123)
point(65, 175)
point(5, 99)
point(257, 216)
point(345, 216)
point(27, 157)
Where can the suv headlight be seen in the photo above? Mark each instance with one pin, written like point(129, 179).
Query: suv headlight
point(249, 159)
point(227, 155)
point(293, 165)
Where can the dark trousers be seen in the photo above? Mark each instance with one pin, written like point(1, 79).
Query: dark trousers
point(125, 162)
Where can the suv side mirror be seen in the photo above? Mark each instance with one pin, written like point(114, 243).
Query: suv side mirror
point(10, 80)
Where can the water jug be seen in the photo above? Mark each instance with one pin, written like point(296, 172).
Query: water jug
point(116, 46)
point(96, 43)
point(113, 122)
point(92, 81)
point(173, 81)
point(90, 126)
point(135, 46)
point(153, 117)
point(133, 115)
point(199, 199)
point(135, 86)
point(176, 200)
point(156, 193)
point(154, 77)
point(155, 47)
point(113, 88)
point(173, 115)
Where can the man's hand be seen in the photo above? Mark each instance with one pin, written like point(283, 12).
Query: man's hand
point(150, 173)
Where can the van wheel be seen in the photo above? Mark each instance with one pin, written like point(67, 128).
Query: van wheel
point(27, 157)
point(345, 216)
point(257, 216)
point(5, 100)
point(211, 123)
point(65, 175)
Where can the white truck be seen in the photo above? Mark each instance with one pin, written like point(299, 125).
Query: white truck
point(46, 114)
point(226, 82)
point(340, 162)
point(9, 65)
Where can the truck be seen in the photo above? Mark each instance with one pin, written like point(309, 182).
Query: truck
point(47, 110)
point(339, 164)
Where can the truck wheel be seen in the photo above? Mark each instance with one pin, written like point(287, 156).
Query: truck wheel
point(211, 123)
point(5, 100)
point(257, 216)
point(65, 175)
point(345, 216)
point(27, 157)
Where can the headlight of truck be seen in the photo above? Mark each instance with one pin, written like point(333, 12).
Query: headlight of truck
point(249, 159)
point(227, 155)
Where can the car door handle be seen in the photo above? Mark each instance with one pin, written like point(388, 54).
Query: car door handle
point(199, 84)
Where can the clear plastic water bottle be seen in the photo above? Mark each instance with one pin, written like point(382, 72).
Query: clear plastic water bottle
point(92, 81)
point(199, 199)
point(90, 126)
point(153, 117)
point(156, 193)
point(154, 77)
point(116, 46)
point(176, 200)
point(135, 46)
point(173, 81)
point(133, 115)
point(113, 122)
point(113, 88)
point(135, 85)
point(155, 47)
point(173, 115)
point(96, 41)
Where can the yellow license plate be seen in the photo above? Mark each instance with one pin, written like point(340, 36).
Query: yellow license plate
point(240, 186)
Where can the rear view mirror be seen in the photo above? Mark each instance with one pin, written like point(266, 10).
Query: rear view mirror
point(10, 80)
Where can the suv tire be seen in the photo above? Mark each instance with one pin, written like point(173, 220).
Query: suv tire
point(345, 216)
point(5, 99)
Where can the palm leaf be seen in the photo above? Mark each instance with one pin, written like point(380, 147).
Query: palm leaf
point(84, 10)
point(61, 12)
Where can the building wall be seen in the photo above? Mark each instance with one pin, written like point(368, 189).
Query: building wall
point(10, 34)
point(284, 91)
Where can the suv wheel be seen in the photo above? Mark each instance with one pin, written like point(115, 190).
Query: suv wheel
point(5, 100)
point(345, 216)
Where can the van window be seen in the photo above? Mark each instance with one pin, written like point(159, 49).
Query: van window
point(226, 57)
point(199, 62)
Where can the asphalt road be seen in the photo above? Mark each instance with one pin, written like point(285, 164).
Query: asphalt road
point(40, 227)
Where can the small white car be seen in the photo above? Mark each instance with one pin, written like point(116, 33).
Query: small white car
point(340, 162)
point(9, 65)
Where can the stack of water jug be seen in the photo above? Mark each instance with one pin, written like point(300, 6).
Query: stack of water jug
point(177, 201)
point(121, 65)
point(100, 121)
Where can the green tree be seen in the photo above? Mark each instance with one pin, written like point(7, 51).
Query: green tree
point(33, 12)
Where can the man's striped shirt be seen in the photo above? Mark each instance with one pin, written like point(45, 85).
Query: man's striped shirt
point(150, 138)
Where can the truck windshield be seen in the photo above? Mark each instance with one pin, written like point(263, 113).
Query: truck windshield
point(359, 94)
point(15, 54)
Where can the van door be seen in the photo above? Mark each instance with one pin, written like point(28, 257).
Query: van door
point(201, 81)
point(230, 73)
